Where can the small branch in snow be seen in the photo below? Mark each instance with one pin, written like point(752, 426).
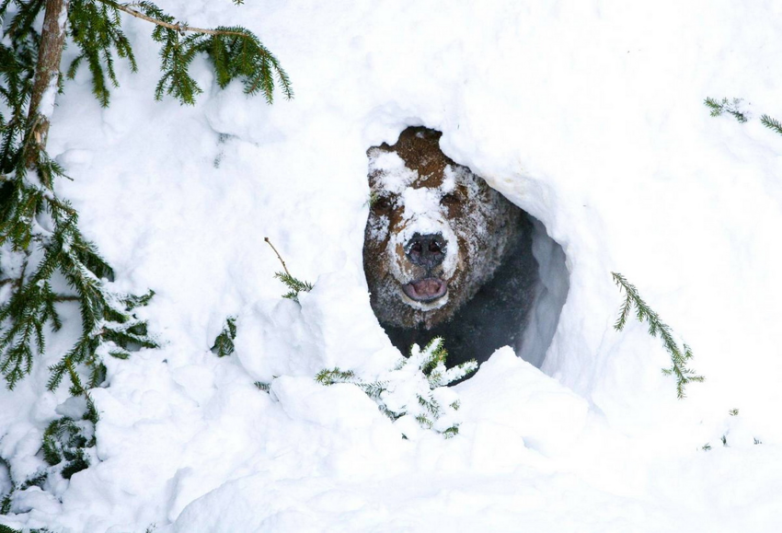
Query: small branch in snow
point(295, 285)
point(771, 123)
point(278, 255)
point(726, 106)
point(181, 28)
point(679, 356)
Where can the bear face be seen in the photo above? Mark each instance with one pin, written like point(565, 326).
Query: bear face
point(436, 232)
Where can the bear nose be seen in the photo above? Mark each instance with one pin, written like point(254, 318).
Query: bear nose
point(427, 251)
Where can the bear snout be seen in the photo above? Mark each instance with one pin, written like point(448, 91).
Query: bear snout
point(427, 251)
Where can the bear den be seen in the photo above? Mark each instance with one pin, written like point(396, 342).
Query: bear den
point(445, 255)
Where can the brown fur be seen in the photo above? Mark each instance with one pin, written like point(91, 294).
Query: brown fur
point(483, 227)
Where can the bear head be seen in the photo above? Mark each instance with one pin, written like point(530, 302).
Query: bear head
point(436, 232)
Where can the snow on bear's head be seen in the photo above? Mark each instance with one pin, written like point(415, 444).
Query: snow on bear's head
point(436, 231)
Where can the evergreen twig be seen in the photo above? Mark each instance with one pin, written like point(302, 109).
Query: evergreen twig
point(731, 107)
point(771, 123)
point(294, 285)
point(164, 21)
point(235, 52)
point(224, 343)
point(428, 366)
point(679, 356)
point(726, 106)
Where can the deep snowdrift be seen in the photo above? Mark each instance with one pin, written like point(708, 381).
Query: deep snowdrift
point(589, 116)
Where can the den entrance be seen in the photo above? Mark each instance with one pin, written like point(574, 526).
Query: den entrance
point(447, 256)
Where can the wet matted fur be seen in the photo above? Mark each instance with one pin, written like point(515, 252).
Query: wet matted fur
point(481, 243)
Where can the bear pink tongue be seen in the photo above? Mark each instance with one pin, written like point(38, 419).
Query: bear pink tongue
point(425, 289)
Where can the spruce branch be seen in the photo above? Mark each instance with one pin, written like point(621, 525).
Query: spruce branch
point(29, 80)
point(37, 480)
point(679, 356)
point(426, 369)
point(294, 285)
point(224, 343)
point(162, 20)
point(234, 51)
point(335, 375)
point(771, 123)
point(95, 29)
point(725, 106)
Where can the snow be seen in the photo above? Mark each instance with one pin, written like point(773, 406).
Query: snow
point(589, 116)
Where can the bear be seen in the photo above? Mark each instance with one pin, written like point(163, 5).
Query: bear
point(445, 255)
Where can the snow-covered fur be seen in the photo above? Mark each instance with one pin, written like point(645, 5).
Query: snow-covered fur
point(424, 203)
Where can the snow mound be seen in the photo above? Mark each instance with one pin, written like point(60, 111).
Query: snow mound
point(587, 115)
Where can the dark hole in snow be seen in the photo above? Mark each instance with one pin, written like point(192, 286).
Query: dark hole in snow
point(506, 278)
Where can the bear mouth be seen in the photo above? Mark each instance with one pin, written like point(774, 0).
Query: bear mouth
point(425, 290)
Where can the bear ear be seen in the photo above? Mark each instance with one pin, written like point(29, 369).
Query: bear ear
point(451, 199)
point(376, 151)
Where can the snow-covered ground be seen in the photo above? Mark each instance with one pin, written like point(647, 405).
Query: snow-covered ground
point(587, 114)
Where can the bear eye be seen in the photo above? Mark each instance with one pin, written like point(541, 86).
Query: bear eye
point(381, 203)
point(450, 199)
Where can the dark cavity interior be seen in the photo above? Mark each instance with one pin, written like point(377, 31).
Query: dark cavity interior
point(518, 307)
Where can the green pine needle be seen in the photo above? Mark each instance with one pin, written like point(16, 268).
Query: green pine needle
point(294, 285)
point(330, 377)
point(224, 343)
point(451, 432)
point(716, 107)
point(235, 52)
point(771, 123)
point(725, 106)
point(430, 362)
point(430, 405)
point(679, 356)
point(94, 26)
point(33, 255)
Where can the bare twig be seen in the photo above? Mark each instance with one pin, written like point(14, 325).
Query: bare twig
point(278, 255)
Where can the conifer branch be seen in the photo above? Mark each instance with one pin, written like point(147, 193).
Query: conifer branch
point(731, 107)
point(177, 26)
point(235, 52)
point(679, 356)
point(726, 106)
point(771, 123)
point(426, 368)
point(294, 285)
point(29, 80)
point(224, 343)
